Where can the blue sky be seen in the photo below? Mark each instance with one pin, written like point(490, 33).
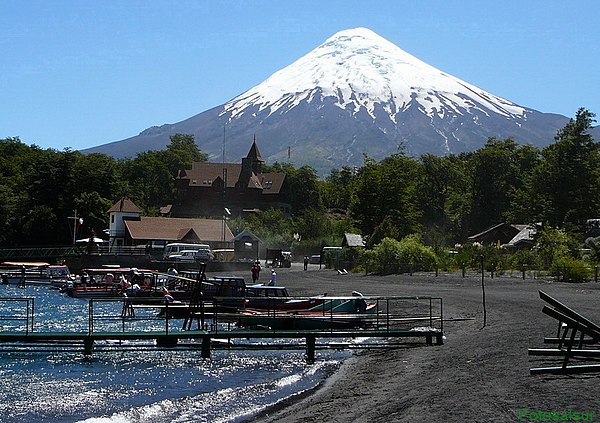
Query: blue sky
point(83, 73)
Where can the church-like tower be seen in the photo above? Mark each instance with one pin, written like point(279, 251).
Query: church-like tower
point(251, 166)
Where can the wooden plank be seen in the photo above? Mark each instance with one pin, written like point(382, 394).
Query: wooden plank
point(554, 340)
point(553, 352)
point(587, 368)
point(572, 323)
point(570, 312)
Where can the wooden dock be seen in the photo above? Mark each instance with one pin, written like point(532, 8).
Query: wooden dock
point(128, 326)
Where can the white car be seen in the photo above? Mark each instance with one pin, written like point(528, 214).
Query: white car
point(185, 255)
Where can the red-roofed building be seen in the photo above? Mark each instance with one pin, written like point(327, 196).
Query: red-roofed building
point(207, 189)
point(128, 228)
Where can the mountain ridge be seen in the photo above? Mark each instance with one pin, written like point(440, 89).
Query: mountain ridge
point(356, 94)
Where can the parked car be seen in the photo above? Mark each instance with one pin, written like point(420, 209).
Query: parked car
point(193, 255)
point(185, 255)
point(204, 255)
point(315, 259)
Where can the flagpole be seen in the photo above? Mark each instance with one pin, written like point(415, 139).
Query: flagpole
point(74, 226)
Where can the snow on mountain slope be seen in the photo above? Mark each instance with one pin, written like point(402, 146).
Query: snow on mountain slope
point(360, 69)
point(356, 94)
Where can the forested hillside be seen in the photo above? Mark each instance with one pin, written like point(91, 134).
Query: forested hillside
point(442, 199)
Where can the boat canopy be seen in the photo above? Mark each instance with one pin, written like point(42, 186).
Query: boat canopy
point(25, 263)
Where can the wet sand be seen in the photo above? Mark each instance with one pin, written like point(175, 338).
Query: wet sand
point(479, 374)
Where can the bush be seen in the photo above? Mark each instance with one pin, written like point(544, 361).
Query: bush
point(406, 255)
point(569, 269)
point(553, 245)
point(415, 255)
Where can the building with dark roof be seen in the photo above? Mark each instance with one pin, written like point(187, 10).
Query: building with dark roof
point(128, 228)
point(208, 189)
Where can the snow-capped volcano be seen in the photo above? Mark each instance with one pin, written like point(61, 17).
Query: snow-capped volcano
point(356, 94)
point(360, 69)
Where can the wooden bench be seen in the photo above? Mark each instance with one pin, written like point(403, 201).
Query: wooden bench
point(577, 338)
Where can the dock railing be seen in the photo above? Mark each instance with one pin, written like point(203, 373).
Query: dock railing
point(331, 323)
point(17, 314)
point(221, 314)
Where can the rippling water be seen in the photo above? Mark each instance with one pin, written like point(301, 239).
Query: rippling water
point(148, 386)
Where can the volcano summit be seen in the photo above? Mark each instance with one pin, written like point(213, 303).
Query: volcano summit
point(355, 94)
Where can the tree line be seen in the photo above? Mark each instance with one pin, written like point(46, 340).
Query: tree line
point(442, 199)
point(40, 189)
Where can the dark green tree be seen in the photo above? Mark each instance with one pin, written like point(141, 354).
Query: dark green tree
point(150, 176)
point(387, 189)
point(303, 184)
point(444, 200)
point(182, 151)
point(564, 188)
point(495, 174)
point(338, 187)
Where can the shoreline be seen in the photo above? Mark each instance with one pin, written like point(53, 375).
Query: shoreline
point(479, 374)
point(286, 403)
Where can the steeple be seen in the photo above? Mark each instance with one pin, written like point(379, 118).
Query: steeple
point(254, 153)
point(251, 165)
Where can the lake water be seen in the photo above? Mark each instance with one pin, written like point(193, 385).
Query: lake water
point(148, 386)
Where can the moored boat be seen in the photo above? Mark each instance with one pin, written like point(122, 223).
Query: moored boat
point(114, 282)
point(34, 273)
point(333, 313)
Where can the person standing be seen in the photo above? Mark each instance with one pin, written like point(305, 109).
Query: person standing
point(306, 260)
point(258, 269)
point(254, 272)
point(273, 279)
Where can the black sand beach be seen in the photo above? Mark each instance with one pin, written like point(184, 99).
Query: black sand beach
point(479, 374)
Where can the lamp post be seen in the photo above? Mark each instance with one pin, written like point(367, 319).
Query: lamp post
point(225, 209)
point(75, 220)
point(226, 212)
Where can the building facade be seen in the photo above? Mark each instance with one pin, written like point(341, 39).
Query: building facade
point(223, 189)
point(128, 228)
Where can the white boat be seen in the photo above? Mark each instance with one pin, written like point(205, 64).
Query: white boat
point(34, 273)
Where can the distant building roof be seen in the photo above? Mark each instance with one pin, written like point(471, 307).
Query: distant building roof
point(204, 174)
point(353, 240)
point(164, 210)
point(176, 229)
point(506, 234)
point(246, 235)
point(526, 236)
point(124, 205)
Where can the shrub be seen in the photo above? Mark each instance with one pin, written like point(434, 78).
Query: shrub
point(406, 255)
point(552, 245)
point(571, 270)
point(415, 255)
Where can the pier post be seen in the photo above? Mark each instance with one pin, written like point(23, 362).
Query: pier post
point(88, 346)
point(439, 339)
point(206, 347)
point(166, 341)
point(310, 349)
